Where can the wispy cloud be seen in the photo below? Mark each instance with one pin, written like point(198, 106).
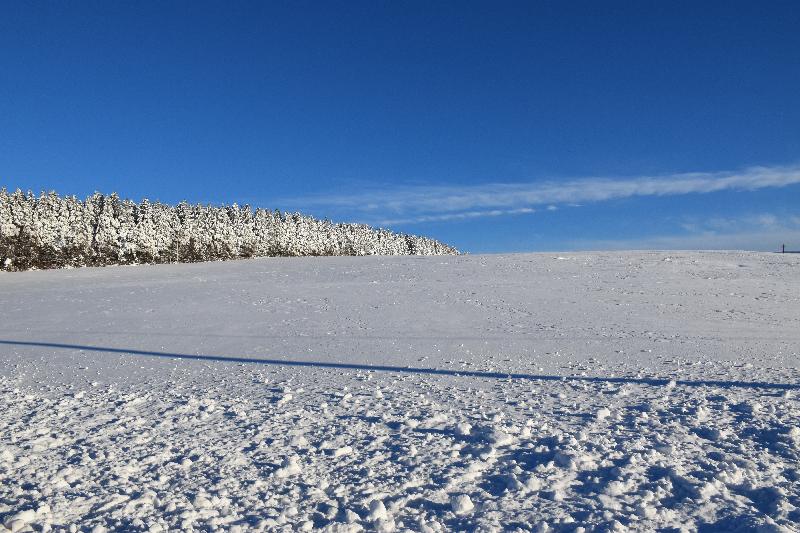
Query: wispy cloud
point(764, 231)
point(417, 204)
point(461, 215)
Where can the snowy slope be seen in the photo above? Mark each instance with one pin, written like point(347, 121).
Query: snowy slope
point(536, 392)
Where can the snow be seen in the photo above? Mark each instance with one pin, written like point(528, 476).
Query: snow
point(598, 392)
point(461, 504)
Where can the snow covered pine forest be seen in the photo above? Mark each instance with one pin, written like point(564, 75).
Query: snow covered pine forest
point(48, 231)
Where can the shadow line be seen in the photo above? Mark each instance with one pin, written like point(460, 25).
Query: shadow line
point(405, 369)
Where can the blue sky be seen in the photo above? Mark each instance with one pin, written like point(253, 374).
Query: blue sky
point(495, 126)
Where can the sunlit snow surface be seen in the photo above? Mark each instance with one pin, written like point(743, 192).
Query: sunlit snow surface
point(544, 392)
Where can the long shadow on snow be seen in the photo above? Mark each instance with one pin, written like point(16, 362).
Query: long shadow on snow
point(405, 369)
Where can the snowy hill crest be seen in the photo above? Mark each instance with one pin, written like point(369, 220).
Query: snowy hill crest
point(50, 231)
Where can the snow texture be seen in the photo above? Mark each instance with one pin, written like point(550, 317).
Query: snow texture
point(49, 231)
point(586, 392)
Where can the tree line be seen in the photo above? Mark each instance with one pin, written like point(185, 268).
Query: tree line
point(51, 231)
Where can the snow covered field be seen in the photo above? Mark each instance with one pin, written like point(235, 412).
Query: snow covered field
point(543, 392)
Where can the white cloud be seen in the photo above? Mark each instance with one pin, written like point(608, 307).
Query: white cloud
point(761, 232)
point(439, 203)
point(458, 216)
point(757, 241)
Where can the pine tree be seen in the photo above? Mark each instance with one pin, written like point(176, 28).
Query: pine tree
point(49, 231)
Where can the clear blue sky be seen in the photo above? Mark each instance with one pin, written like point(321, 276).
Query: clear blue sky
point(496, 126)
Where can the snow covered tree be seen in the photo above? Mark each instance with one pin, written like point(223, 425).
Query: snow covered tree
point(49, 231)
